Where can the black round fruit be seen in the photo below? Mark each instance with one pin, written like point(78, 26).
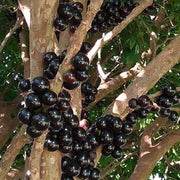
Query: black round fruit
point(48, 74)
point(78, 6)
point(169, 90)
point(165, 112)
point(95, 174)
point(106, 137)
point(32, 101)
point(117, 153)
point(24, 115)
point(48, 57)
point(85, 48)
point(119, 140)
point(24, 85)
point(143, 101)
point(66, 177)
point(51, 144)
point(65, 10)
point(54, 114)
point(82, 75)
point(79, 134)
point(40, 121)
point(127, 128)
point(82, 159)
point(80, 61)
point(40, 84)
point(54, 66)
point(33, 132)
point(132, 118)
point(133, 103)
point(64, 95)
point(73, 121)
point(173, 118)
point(49, 98)
point(60, 24)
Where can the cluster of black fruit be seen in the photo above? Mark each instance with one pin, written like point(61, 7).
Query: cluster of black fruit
point(51, 63)
point(168, 98)
point(112, 13)
point(89, 92)
point(80, 62)
point(68, 13)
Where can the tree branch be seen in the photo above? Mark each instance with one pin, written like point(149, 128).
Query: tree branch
point(143, 4)
point(105, 88)
point(147, 78)
point(12, 151)
point(10, 33)
point(115, 164)
point(15, 174)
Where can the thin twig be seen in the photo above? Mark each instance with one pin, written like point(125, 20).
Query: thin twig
point(115, 164)
point(10, 33)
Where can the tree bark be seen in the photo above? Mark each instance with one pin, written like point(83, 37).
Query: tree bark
point(12, 151)
point(147, 78)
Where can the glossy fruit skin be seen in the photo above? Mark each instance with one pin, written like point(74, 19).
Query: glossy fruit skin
point(82, 75)
point(133, 103)
point(80, 61)
point(65, 138)
point(109, 148)
point(169, 90)
point(93, 140)
point(73, 122)
point(106, 137)
point(33, 132)
point(86, 88)
point(65, 162)
point(79, 134)
point(165, 112)
point(143, 101)
point(90, 98)
point(64, 95)
point(101, 123)
point(40, 84)
point(85, 173)
point(24, 85)
point(33, 101)
point(51, 144)
point(54, 114)
point(70, 81)
point(173, 118)
point(49, 98)
point(77, 17)
point(85, 48)
point(82, 158)
point(56, 126)
point(132, 118)
point(117, 153)
point(87, 146)
point(54, 66)
point(143, 113)
point(60, 24)
point(68, 113)
point(66, 177)
point(62, 56)
point(95, 174)
point(176, 98)
point(77, 146)
point(120, 140)
point(40, 121)
point(63, 105)
point(66, 148)
point(48, 57)
point(17, 77)
point(65, 10)
point(116, 124)
point(48, 74)
point(73, 169)
point(164, 101)
point(24, 115)
point(127, 128)
point(73, 27)
point(78, 6)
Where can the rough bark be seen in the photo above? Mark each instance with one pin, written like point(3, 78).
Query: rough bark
point(147, 78)
point(106, 87)
point(11, 152)
point(15, 174)
point(149, 153)
point(42, 40)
